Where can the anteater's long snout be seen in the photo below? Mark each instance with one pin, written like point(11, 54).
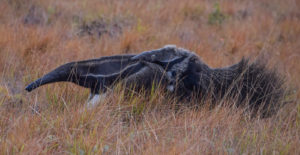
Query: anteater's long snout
point(34, 85)
point(62, 73)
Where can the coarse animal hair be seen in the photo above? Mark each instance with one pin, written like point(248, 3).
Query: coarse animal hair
point(251, 84)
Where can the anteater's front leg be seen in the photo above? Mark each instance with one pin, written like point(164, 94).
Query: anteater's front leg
point(139, 74)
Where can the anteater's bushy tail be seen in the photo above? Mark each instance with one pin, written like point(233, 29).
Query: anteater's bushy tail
point(252, 84)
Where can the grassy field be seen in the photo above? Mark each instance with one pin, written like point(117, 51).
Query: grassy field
point(37, 36)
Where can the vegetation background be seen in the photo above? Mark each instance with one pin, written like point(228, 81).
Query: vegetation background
point(39, 35)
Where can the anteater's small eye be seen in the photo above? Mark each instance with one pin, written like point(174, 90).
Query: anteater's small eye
point(153, 57)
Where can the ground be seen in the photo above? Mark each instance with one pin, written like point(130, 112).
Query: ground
point(38, 36)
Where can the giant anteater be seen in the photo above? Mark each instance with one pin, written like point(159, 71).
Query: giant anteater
point(182, 72)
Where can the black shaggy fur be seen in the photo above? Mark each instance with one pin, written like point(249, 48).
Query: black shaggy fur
point(250, 84)
point(247, 84)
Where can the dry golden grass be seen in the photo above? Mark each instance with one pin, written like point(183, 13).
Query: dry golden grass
point(53, 118)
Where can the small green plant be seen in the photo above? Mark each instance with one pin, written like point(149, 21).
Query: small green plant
point(217, 16)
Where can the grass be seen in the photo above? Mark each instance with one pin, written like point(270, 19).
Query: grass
point(53, 118)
